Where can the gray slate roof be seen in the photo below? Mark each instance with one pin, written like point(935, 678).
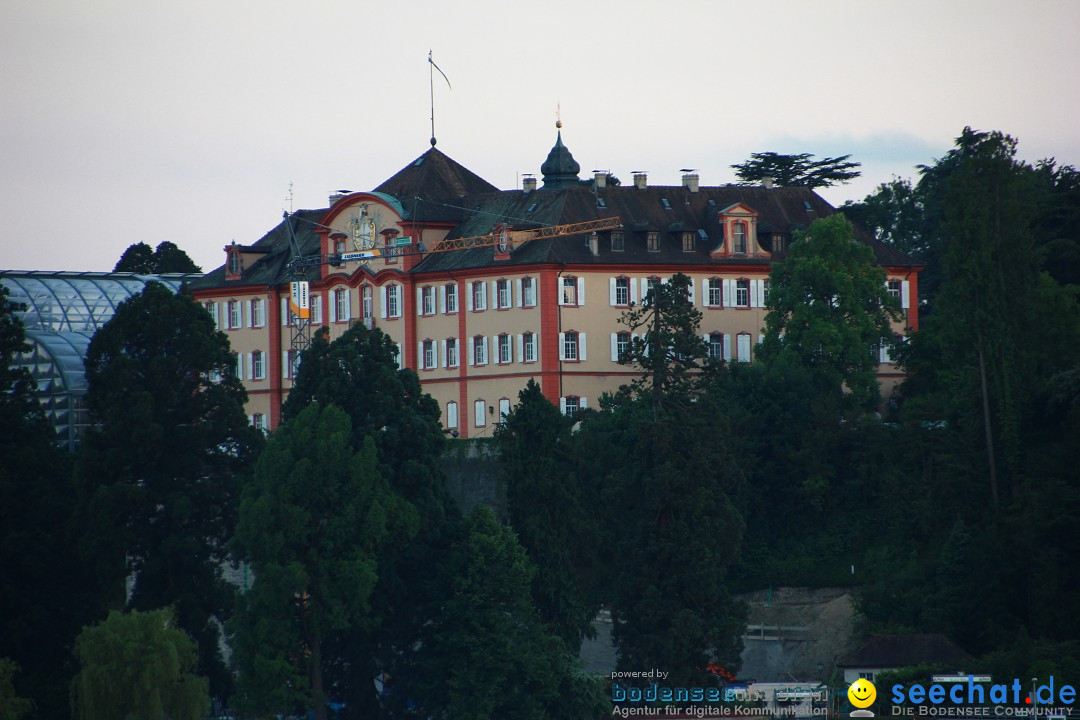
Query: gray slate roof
point(895, 651)
point(435, 188)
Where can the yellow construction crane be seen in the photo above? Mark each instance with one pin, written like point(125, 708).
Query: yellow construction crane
point(502, 237)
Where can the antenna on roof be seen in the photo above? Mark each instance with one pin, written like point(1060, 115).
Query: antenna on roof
point(431, 86)
point(289, 197)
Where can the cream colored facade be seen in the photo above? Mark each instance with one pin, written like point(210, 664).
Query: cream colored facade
point(477, 330)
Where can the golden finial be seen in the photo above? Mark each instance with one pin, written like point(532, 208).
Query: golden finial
point(558, 116)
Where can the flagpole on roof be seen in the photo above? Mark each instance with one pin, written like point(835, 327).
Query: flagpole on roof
point(431, 87)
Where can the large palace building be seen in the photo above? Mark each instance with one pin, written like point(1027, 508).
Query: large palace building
point(477, 323)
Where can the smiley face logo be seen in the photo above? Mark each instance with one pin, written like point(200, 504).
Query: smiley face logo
point(862, 693)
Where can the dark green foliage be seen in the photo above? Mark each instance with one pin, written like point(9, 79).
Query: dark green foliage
point(829, 310)
point(46, 591)
point(487, 653)
point(311, 527)
point(551, 511)
point(167, 258)
point(138, 665)
point(672, 529)
point(138, 258)
point(359, 373)
point(796, 170)
point(12, 707)
point(894, 213)
point(162, 473)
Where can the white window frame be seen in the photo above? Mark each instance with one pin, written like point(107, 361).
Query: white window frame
point(620, 295)
point(620, 345)
point(504, 350)
point(480, 413)
point(212, 308)
point(341, 305)
point(528, 291)
point(502, 294)
point(528, 347)
point(258, 365)
point(451, 353)
point(739, 229)
point(478, 296)
point(504, 410)
point(367, 303)
point(742, 295)
point(572, 346)
point(577, 286)
point(451, 415)
point(450, 298)
point(426, 300)
point(478, 350)
point(236, 314)
point(393, 301)
point(714, 292)
point(428, 355)
point(257, 313)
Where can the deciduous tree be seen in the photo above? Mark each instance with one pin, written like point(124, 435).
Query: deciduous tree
point(138, 665)
point(829, 310)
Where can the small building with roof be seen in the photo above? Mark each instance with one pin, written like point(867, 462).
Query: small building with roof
point(893, 652)
point(476, 324)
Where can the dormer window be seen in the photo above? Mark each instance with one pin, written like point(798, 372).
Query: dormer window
point(652, 241)
point(234, 262)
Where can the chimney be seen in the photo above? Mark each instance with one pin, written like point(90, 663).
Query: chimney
point(594, 244)
point(600, 178)
point(335, 196)
point(640, 179)
point(767, 183)
point(528, 184)
point(690, 182)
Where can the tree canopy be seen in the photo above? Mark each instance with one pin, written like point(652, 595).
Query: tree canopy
point(486, 652)
point(163, 470)
point(549, 507)
point(829, 310)
point(166, 258)
point(799, 170)
point(311, 526)
point(138, 665)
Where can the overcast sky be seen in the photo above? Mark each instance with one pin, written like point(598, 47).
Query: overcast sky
point(148, 120)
